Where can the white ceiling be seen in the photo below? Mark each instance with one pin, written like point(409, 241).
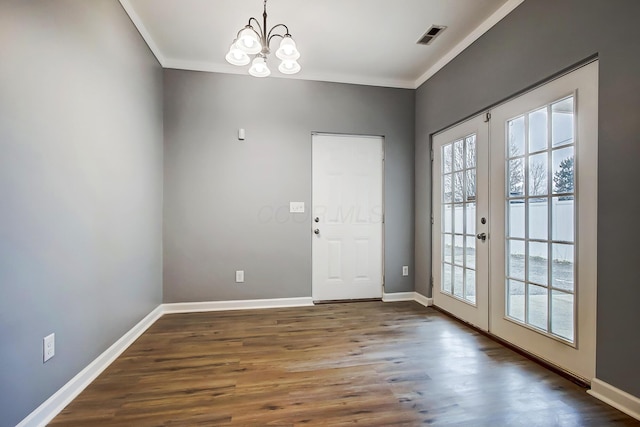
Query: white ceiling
point(369, 42)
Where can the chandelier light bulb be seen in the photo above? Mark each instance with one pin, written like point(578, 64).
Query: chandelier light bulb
point(259, 67)
point(289, 67)
point(287, 49)
point(248, 41)
point(237, 56)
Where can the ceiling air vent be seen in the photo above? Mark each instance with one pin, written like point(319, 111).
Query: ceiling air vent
point(431, 34)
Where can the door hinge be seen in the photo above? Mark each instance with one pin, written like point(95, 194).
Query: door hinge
point(431, 219)
point(432, 155)
point(431, 282)
point(383, 218)
point(487, 117)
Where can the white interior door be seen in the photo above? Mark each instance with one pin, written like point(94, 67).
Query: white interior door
point(347, 217)
point(460, 228)
point(543, 221)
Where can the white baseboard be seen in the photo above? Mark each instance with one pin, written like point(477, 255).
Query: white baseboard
point(194, 307)
point(621, 400)
point(408, 296)
point(427, 302)
point(60, 399)
point(398, 296)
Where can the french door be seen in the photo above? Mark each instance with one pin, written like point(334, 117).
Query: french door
point(460, 229)
point(541, 219)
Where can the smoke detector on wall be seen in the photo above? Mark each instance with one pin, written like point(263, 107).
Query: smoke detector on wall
point(431, 34)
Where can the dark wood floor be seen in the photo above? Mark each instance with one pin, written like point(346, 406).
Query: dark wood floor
point(369, 363)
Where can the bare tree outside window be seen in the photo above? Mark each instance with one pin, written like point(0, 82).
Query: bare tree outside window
point(537, 173)
point(464, 179)
point(516, 169)
point(537, 178)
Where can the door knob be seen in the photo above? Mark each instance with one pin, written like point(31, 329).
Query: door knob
point(482, 236)
point(317, 231)
point(316, 219)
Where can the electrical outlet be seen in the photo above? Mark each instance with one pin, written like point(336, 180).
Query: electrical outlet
point(405, 270)
point(48, 347)
point(239, 276)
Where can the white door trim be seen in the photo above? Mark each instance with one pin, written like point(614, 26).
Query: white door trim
point(378, 277)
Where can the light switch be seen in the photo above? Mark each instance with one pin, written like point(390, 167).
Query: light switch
point(296, 207)
point(241, 134)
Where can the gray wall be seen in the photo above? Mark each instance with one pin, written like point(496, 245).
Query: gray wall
point(80, 190)
point(226, 201)
point(537, 40)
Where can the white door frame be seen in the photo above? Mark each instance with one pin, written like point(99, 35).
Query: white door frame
point(315, 294)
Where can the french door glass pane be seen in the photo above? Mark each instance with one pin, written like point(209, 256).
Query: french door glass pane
point(448, 247)
point(516, 256)
point(516, 218)
point(515, 300)
point(447, 192)
point(458, 218)
point(447, 218)
point(458, 155)
point(538, 174)
point(470, 287)
point(458, 186)
point(458, 282)
point(540, 205)
point(563, 218)
point(516, 137)
point(562, 267)
point(446, 158)
point(471, 185)
point(471, 152)
point(471, 218)
point(563, 177)
point(538, 219)
point(447, 282)
point(538, 304)
point(458, 250)
point(562, 314)
point(538, 130)
point(458, 192)
point(538, 263)
point(516, 177)
point(470, 252)
point(562, 127)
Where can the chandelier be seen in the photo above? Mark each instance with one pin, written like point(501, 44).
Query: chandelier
point(254, 39)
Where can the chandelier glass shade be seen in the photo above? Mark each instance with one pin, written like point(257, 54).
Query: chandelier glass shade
point(254, 39)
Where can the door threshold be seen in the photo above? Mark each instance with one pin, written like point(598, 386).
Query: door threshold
point(545, 364)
